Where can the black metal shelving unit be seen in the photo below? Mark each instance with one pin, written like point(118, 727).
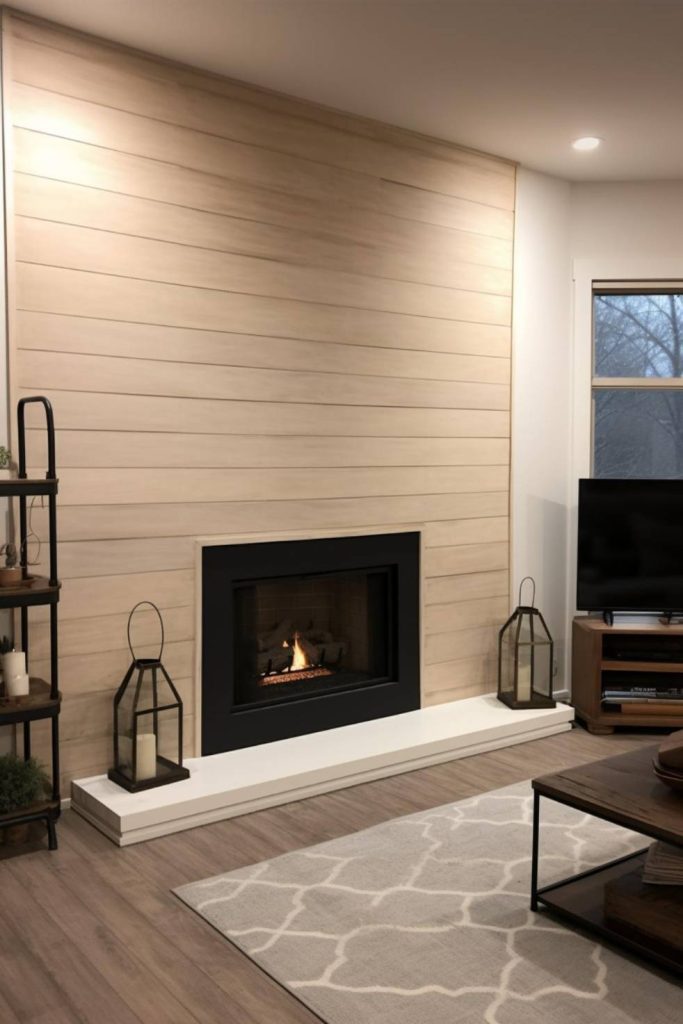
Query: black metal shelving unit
point(44, 699)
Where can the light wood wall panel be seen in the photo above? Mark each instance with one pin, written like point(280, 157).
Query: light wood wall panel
point(251, 314)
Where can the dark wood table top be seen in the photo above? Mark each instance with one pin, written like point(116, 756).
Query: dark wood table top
point(622, 789)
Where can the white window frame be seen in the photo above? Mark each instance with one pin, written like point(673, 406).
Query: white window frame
point(587, 273)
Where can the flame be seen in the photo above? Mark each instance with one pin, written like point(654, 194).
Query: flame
point(299, 660)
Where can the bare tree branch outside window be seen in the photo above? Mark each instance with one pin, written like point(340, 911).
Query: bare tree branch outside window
point(638, 431)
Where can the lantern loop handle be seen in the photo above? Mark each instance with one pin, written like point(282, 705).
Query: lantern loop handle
point(533, 592)
point(161, 624)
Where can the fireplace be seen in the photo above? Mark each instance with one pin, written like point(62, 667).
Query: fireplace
point(305, 635)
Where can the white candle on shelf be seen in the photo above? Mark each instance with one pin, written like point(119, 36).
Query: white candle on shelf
point(146, 749)
point(17, 686)
point(13, 664)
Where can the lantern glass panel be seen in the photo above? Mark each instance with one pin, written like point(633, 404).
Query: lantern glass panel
point(543, 669)
point(153, 690)
point(507, 661)
point(168, 736)
point(526, 629)
point(525, 661)
point(125, 720)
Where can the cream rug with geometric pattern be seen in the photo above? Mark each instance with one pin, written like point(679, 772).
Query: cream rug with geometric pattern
point(425, 920)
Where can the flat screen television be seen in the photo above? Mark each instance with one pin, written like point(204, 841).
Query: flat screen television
point(630, 546)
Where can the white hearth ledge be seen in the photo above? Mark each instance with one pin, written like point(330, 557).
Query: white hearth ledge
point(241, 781)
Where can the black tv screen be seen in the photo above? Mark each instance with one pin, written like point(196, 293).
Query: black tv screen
point(630, 545)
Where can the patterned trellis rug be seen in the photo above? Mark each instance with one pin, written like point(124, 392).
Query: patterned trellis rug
point(425, 920)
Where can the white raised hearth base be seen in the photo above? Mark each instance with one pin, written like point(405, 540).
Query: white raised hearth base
point(241, 781)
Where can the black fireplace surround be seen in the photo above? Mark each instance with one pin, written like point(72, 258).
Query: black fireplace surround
point(305, 635)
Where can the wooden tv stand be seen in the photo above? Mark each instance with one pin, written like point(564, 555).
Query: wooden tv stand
point(596, 658)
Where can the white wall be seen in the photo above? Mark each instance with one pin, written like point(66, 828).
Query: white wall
point(565, 237)
point(627, 220)
point(541, 396)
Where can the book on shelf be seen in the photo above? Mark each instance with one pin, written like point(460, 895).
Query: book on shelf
point(626, 693)
point(650, 707)
point(663, 865)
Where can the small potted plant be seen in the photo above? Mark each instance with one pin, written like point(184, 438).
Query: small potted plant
point(5, 463)
point(10, 573)
point(22, 784)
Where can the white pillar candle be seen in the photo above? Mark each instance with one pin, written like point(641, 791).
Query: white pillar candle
point(17, 686)
point(524, 681)
point(146, 749)
point(13, 664)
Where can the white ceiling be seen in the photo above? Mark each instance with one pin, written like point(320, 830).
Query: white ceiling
point(518, 78)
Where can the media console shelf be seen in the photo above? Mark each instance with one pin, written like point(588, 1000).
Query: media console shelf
point(624, 657)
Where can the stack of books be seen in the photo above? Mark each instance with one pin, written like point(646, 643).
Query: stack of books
point(663, 865)
point(668, 699)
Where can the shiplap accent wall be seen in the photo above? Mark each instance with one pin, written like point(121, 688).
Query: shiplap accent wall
point(250, 314)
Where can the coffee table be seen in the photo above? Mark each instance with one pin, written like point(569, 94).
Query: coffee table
point(645, 919)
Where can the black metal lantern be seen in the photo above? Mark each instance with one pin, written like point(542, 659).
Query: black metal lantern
point(525, 657)
point(148, 723)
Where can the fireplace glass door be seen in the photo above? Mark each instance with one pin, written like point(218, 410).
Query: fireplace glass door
point(297, 636)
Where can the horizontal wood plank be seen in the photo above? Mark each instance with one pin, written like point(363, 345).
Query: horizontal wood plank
point(104, 670)
point(466, 587)
point(97, 251)
point(468, 511)
point(470, 530)
point(51, 113)
point(466, 558)
point(100, 448)
point(460, 643)
point(459, 615)
point(89, 597)
point(81, 293)
point(71, 334)
point(81, 410)
point(478, 234)
point(118, 486)
point(460, 678)
point(59, 370)
point(475, 262)
point(100, 633)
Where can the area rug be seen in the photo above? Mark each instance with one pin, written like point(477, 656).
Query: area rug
point(425, 920)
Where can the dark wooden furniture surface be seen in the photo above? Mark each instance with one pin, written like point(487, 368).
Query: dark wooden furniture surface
point(591, 668)
point(624, 791)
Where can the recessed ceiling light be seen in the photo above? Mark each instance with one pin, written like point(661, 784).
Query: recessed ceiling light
point(586, 142)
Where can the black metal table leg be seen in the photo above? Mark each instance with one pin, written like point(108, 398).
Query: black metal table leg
point(27, 740)
point(534, 851)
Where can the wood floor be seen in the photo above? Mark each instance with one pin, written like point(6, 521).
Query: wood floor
point(92, 933)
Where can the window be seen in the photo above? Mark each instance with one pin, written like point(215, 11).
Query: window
point(638, 382)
